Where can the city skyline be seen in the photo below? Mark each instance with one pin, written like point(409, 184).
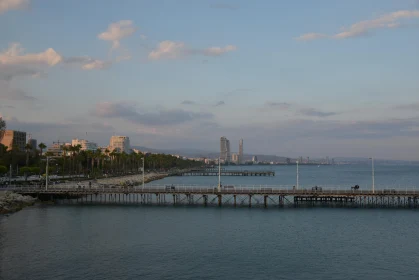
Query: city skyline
point(314, 80)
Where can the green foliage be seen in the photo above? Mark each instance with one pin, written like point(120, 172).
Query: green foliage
point(35, 170)
point(24, 170)
point(3, 169)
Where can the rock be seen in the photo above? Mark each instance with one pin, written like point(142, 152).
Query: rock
point(12, 202)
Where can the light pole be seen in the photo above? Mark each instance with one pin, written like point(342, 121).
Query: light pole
point(46, 175)
point(143, 172)
point(373, 175)
point(298, 175)
point(10, 175)
point(219, 175)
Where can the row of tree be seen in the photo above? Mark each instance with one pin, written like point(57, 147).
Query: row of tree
point(73, 160)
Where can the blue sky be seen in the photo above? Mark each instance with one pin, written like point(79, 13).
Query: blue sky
point(309, 78)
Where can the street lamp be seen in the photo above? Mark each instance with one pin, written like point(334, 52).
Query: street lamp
point(46, 175)
point(143, 172)
point(297, 175)
point(373, 176)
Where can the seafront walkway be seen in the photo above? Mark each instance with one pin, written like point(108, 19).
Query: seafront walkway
point(249, 196)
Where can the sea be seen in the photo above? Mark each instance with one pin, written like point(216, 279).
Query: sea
point(153, 242)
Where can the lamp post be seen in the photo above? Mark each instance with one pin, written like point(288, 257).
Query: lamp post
point(298, 175)
point(143, 172)
point(46, 175)
point(219, 175)
point(373, 175)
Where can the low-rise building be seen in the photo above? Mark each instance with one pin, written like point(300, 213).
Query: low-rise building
point(85, 145)
point(14, 140)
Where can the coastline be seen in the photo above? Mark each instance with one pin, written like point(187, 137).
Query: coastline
point(12, 202)
point(136, 179)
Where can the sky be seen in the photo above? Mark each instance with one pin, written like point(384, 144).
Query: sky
point(291, 78)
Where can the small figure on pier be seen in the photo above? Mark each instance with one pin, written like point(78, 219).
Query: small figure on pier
point(356, 187)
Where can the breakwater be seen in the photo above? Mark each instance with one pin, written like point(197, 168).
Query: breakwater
point(11, 202)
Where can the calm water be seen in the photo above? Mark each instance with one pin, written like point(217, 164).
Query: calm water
point(129, 242)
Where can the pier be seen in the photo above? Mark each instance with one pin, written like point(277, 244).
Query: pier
point(224, 172)
point(228, 196)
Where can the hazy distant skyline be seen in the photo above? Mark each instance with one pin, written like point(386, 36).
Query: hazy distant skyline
point(309, 78)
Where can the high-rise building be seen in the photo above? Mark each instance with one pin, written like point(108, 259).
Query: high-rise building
point(14, 139)
point(240, 161)
point(120, 143)
point(85, 145)
point(225, 149)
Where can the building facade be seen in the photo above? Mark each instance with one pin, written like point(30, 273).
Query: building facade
point(120, 143)
point(225, 149)
point(235, 158)
point(85, 145)
point(34, 144)
point(14, 139)
point(254, 159)
point(240, 160)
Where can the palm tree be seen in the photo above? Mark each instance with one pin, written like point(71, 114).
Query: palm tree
point(41, 147)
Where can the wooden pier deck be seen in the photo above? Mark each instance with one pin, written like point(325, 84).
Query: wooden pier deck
point(227, 196)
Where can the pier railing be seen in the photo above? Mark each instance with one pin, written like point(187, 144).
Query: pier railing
point(261, 189)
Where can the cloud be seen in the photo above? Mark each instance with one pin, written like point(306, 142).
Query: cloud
point(219, 103)
point(176, 50)
point(127, 111)
point(224, 6)
point(117, 31)
point(412, 106)
point(63, 130)
point(311, 36)
point(188, 102)
point(15, 56)
point(7, 107)
point(88, 63)
point(8, 93)
point(311, 112)
point(10, 72)
point(386, 21)
point(279, 105)
point(7, 5)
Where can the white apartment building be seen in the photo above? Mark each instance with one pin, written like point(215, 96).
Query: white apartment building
point(235, 158)
point(120, 143)
point(85, 145)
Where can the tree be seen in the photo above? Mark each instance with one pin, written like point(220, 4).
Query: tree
point(3, 170)
point(41, 147)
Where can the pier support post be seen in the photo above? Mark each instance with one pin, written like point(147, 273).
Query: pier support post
point(205, 200)
point(250, 200)
point(235, 201)
point(220, 199)
point(265, 201)
point(174, 199)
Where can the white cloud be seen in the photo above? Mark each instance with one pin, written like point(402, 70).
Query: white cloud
point(87, 63)
point(219, 51)
point(391, 20)
point(168, 50)
point(174, 50)
point(117, 31)
point(6, 5)
point(15, 56)
point(311, 36)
